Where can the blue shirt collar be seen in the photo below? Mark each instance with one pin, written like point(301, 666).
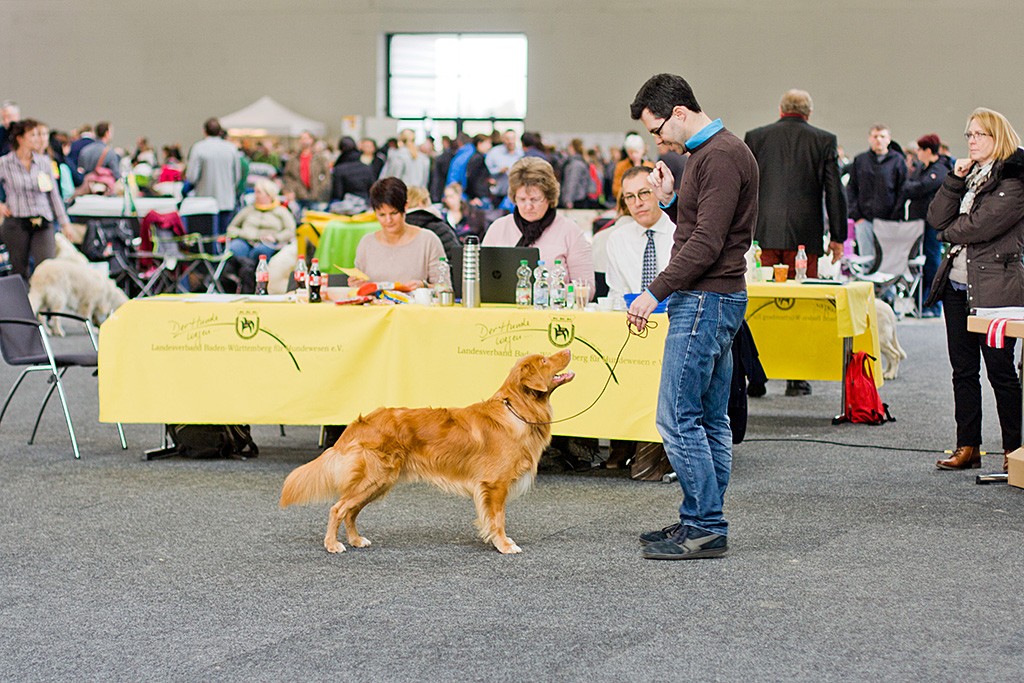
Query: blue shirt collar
point(704, 134)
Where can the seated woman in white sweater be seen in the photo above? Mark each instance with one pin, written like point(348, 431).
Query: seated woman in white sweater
point(398, 252)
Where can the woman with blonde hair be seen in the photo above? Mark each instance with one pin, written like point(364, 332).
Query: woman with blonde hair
point(979, 210)
point(533, 189)
point(263, 228)
point(407, 162)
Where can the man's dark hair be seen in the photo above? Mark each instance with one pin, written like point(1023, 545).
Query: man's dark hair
point(635, 171)
point(530, 139)
point(212, 127)
point(480, 137)
point(101, 129)
point(389, 191)
point(346, 144)
point(661, 94)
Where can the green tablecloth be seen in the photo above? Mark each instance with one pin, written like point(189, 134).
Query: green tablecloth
point(338, 243)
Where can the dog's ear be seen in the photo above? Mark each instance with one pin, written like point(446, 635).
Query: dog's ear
point(532, 377)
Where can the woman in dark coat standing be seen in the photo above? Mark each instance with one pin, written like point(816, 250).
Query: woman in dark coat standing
point(979, 210)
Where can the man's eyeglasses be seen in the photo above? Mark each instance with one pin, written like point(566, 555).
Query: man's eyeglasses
point(973, 136)
point(658, 131)
point(642, 195)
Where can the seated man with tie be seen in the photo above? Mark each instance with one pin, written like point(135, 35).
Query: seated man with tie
point(641, 244)
point(638, 249)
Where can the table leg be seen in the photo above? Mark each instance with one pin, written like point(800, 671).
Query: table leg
point(847, 355)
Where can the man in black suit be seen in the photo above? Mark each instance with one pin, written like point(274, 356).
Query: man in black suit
point(798, 166)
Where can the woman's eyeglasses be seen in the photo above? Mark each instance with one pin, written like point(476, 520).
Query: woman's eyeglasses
point(975, 136)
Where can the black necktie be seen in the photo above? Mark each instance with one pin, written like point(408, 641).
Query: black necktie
point(650, 270)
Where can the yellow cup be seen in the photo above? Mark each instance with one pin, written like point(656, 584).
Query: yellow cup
point(781, 272)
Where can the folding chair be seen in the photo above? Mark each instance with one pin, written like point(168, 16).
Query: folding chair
point(25, 342)
point(897, 267)
point(179, 257)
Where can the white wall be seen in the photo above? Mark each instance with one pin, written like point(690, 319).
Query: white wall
point(159, 68)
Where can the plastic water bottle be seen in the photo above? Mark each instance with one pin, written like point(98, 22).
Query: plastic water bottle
point(262, 276)
point(444, 295)
point(757, 262)
point(301, 274)
point(315, 281)
point(524, 291)
point(541, 285)
point(558, 275)
point(801, 263)
point(570, 295)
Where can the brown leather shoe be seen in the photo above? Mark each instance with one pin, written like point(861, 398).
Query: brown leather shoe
point(963, 458)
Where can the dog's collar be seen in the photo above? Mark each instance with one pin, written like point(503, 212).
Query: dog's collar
point(508, 404)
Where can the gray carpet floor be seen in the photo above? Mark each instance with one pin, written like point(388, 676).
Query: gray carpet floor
point(847, 562)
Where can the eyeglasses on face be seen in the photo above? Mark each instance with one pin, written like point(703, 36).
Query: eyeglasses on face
point(657, 131)
point(976, 136)
point(642, 195)
point(530, 201)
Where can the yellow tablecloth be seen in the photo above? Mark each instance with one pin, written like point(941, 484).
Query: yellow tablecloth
point(338, 242)
point(168, 360)
point(799, 328)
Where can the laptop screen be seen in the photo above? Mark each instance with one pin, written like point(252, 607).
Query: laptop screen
point(498, 266)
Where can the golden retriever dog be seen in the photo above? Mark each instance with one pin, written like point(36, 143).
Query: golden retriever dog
point(888, 343)
point(71, 287)
point(487, 451)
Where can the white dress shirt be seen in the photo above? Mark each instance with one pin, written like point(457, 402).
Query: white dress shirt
point(625, 250)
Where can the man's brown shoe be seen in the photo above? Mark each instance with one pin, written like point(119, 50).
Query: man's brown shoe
point(963, 458)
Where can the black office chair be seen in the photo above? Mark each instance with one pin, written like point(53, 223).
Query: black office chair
point(25, 342)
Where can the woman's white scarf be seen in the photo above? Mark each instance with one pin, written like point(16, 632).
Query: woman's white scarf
point(975, 179)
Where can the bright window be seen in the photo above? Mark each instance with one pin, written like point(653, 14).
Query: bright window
point(457, 76)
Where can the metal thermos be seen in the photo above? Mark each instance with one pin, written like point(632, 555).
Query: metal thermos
point(471, 273)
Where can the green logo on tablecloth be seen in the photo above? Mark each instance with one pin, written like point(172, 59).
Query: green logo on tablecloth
point(561, 332)
point(247, 325)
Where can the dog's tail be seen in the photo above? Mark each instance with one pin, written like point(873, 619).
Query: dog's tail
point(316, 481)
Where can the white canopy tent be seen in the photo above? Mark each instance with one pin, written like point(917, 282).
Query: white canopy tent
point(265, 117)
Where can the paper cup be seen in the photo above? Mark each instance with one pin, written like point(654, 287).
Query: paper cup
point(421, 296)
point(781, 272)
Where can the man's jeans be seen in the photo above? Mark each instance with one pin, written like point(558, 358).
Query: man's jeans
point(693, 400)
point(865, 231)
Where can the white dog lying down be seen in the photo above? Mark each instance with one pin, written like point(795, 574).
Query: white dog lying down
point(892, 352)
point(71, 287)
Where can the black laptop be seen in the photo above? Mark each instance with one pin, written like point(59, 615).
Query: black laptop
point(498, 266)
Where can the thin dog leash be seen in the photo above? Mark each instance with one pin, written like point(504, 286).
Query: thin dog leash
point(648, 324)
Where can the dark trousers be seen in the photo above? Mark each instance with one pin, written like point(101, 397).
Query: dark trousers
point(769, 257)
point(932, 248)
point(966, 349)
point(25, 241)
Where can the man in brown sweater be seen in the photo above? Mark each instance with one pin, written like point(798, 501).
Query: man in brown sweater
point(705, 292)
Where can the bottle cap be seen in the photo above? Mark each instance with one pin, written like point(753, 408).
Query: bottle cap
point(801, 246)
point(263, 257)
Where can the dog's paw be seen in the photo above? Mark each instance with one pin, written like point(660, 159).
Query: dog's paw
point(359, 542)
point(507, 547)
point(334, 547)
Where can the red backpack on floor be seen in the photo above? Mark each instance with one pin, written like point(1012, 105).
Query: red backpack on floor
point(863, 404)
